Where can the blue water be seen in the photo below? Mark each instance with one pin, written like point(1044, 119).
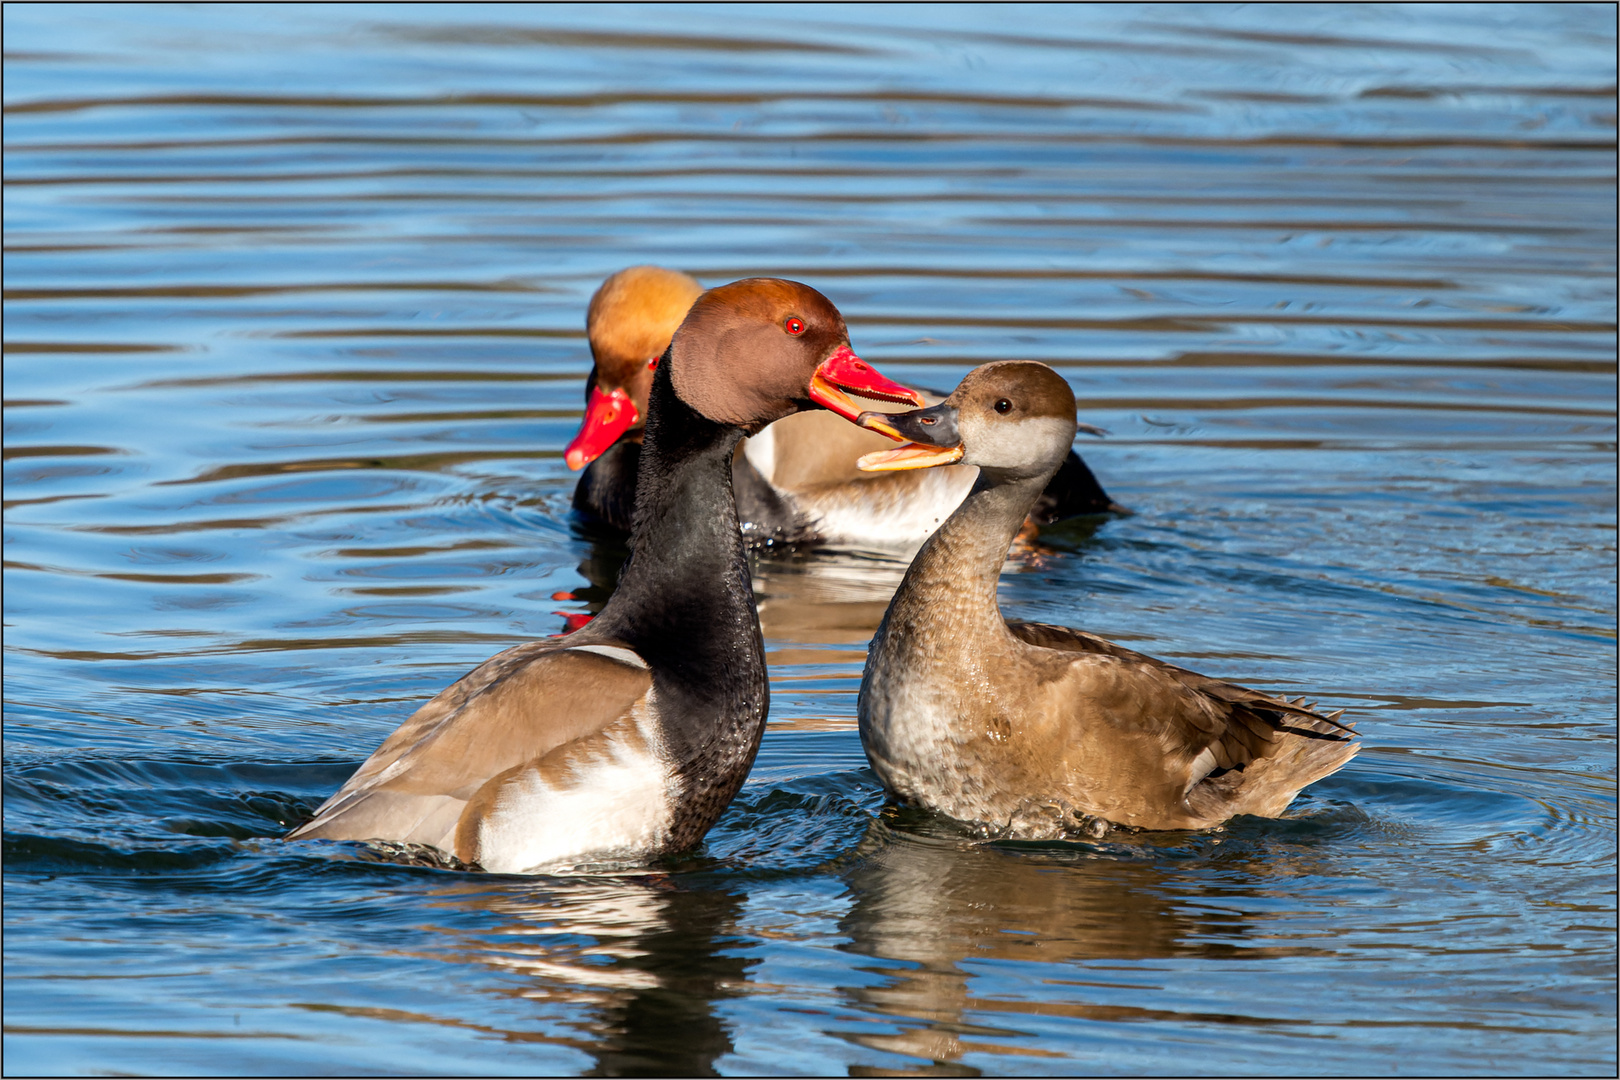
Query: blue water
point(294, 339)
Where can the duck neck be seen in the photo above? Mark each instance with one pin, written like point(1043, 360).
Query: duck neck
point(949, 591)
point(685, 601)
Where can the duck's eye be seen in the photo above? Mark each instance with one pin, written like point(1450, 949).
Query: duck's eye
point(652, 365)
point(794, 325)
point(1003, 406)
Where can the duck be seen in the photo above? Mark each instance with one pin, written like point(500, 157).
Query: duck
point(627, 738)
point(796, 481)
point(629, 323)
point(1035, 730)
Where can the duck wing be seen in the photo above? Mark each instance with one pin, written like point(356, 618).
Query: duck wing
point(512, 710)
point(1215, 748)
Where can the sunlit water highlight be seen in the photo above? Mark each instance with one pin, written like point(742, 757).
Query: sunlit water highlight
point(293, 324)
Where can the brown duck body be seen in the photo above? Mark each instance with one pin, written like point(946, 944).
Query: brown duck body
point(1035, 728)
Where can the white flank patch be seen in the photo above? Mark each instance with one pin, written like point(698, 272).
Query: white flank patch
point(619, 799)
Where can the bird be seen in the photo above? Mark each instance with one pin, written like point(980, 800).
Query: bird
point(629, 322)
point(796, 481)
point(628, 737)
point(1038, 730)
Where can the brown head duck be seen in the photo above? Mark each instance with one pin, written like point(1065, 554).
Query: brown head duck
point(796, 481)
point(628, 737)
point(1034, 729)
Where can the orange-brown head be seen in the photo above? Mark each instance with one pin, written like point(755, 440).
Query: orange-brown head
point(760, 349)
point(629, 322)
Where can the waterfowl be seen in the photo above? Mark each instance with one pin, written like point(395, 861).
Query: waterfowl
point(796, 481)
point(628, 737)
point(1031, 729)
point(629, 323)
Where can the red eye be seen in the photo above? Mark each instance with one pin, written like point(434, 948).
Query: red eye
point(794, 325)
point(652, 365)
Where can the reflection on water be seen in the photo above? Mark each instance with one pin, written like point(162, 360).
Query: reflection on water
point(948, 909)
point(644, 960)
point(294, 339)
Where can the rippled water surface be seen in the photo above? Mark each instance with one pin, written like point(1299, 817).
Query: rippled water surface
point(294, 339)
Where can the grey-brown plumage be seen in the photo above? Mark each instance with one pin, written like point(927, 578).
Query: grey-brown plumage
point(1038, 729)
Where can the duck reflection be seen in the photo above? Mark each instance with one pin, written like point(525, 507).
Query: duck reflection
point(822, 595)
point(826, 598)
point(933, 900)
point(644, 957)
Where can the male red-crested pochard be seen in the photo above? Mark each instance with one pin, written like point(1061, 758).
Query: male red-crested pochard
point(1033, 729)
point(796, 481)
point(629, 323)
point(628, 737)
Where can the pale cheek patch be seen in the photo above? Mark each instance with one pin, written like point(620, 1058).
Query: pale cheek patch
point(1040, 440)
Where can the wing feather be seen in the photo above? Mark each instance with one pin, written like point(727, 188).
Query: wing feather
point(1216, 747)
point(514, 708)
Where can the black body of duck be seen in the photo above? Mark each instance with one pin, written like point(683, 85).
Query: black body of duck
point(1034, 729)
point(630, 736)
point(796, 481)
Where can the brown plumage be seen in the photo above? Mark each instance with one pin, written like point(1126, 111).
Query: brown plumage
point(1037, 729)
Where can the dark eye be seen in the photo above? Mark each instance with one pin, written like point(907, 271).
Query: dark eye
point(1003, 406)
point(794, 325)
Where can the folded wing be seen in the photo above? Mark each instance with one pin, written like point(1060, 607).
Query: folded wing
point(1208, 748)
point(513, 709)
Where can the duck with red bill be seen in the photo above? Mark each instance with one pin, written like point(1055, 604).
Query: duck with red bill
point(626, 738)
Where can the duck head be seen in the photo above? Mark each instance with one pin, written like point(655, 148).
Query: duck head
point(629, 323)
point(1014, 418)
point(760, 349)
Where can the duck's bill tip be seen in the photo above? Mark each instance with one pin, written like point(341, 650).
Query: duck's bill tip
point(879, 422)
point(843, 373)
point(910, 456)
point(607, 416)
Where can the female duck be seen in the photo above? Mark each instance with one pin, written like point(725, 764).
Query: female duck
point(630, 736)
point(1034, 729)
point(796, 481)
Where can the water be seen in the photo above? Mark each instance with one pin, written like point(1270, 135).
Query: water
point(293, 322)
